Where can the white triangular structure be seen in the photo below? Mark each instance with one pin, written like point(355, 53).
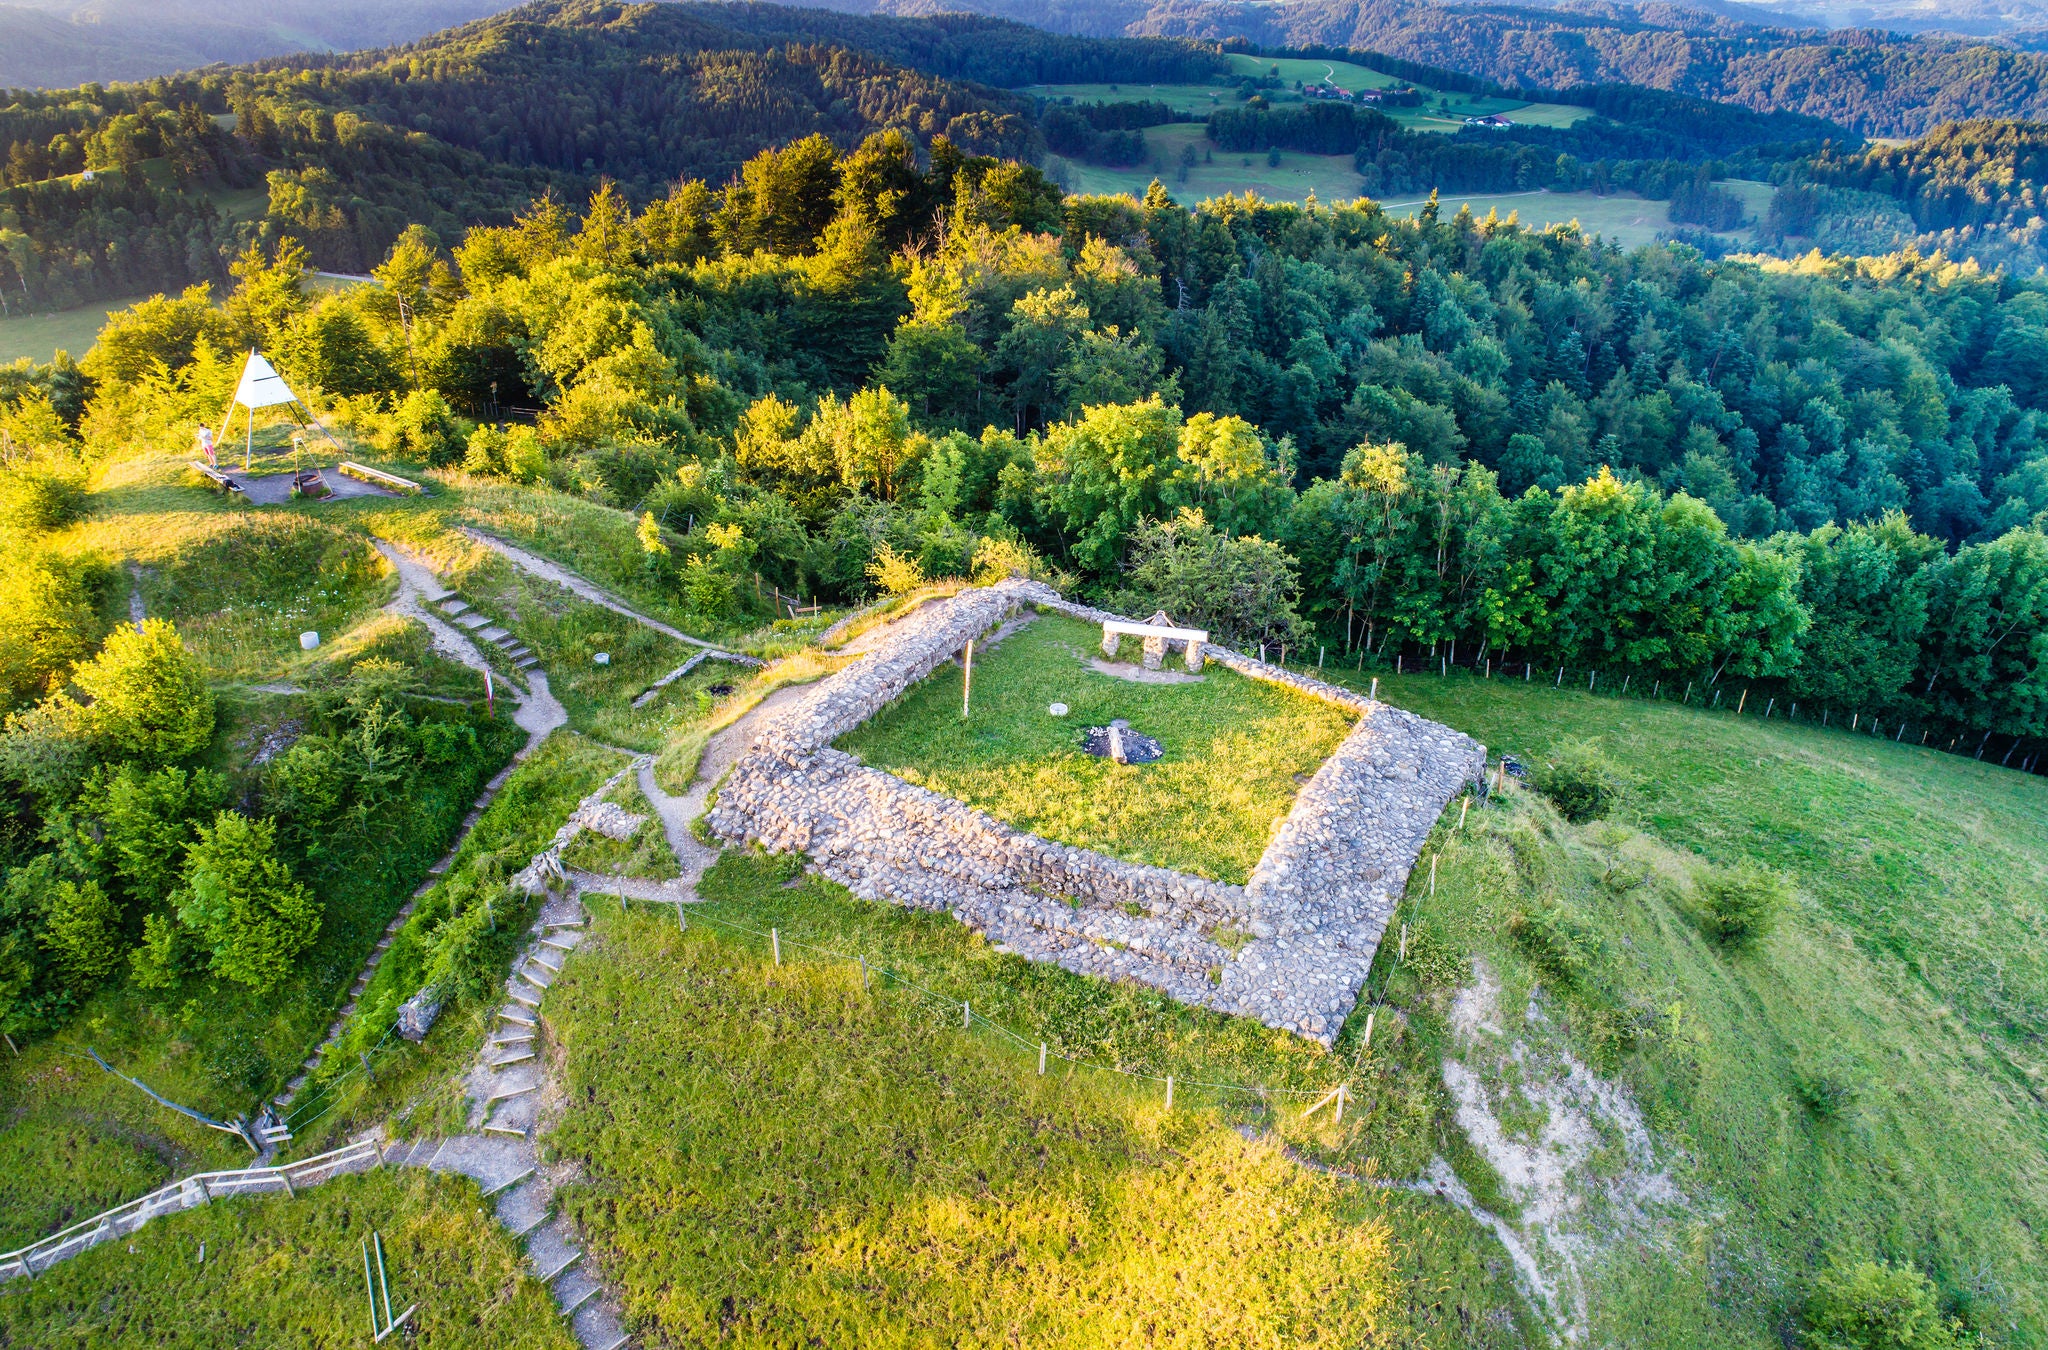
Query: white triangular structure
point(262, 387)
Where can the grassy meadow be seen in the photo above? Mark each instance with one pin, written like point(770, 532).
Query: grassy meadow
point(772, 1154)
point(277, 1271)
point(1864, 1080)
point(1218, 173)
point(1236, 751)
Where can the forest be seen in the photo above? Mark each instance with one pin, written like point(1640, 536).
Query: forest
point(1316, 428)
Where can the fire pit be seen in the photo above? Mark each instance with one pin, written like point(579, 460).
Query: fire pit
point(1118, 742)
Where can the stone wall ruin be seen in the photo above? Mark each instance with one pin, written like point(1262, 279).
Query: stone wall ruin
point(1291, 947)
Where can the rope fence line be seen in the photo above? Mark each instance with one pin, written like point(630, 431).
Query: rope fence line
point(776, 940)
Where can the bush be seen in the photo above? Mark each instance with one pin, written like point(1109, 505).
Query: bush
point(1826, 1087)
point(1739, 904)
point(896, 573)
point(1581, 782)
point(37, 499)
point(1873, 1305)
point(1555, 943)
point(148, 696)
point(243, 903)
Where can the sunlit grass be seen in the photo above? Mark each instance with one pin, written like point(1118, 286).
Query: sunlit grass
point(289, 1271)
point(775, 1155)
point(1236, 751)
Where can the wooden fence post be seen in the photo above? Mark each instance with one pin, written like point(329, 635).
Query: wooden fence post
point(775, 941)
point(1041, 1059)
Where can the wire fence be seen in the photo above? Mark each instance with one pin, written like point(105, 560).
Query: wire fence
point(1174, 1090)
point(1765, 702)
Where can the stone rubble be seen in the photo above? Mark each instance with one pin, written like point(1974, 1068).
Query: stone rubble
point(1291, 947)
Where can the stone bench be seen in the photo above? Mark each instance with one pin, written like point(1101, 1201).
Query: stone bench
point(1157, 633)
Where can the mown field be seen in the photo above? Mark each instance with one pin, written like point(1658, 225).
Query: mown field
point(38, 336)
point(1218, 173)
point(1623, 217)
point(1235, 751)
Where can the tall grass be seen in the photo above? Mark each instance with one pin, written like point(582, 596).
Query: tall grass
point(282, 1271)
point(774, 1155)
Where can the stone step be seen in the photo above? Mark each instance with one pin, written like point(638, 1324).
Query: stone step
point(552, 970)
point(522, 1038)
point(542, 985)
point(494, 634)
point(523, 1001)
point(508, 1063)
point(472, 621)
point(558, 946)
point(517, 1019)
point(507, 1130)
point(454, 607)
point(569, 1308)
point(525, 663)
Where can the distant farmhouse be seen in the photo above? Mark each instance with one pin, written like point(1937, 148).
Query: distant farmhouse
point(1491, 122)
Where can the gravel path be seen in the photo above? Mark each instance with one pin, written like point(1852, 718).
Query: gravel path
point(537, 712)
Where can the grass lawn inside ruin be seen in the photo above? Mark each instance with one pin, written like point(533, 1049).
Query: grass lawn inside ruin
point(1236, 750)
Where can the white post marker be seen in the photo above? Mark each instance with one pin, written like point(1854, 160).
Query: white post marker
point(1365, 1041)
point(1041, 1059)
point(967, 679)
point(966, 1016)
point(1432, 875)
point(775, 941)
point(1169, 1092)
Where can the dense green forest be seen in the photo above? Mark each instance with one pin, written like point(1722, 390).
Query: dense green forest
point(1877, 83)
point(1969, 189)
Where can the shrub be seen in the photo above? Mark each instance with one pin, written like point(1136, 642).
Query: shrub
point(82, 929)
point(1739, 904)
point(242, 901)
point(1873, 1305)
point(1555, 943)
point(37, 499)
point(148, 696)
point(1581, 782)
point(1826, 1087)
point(894, 572)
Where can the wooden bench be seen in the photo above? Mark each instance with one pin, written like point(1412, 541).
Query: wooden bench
point(379, 477)
point(1156, 636)
point(215, 477)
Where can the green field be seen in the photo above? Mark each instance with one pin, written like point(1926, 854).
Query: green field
point(278, 1271)
point(1864, 1081)
point(773, 1155)
point(1200, 99)
point(38, 336)
point(1217, 173)
point(1625, 218)
point(1235, 751)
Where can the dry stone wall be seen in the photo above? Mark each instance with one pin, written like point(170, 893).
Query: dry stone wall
point(1291, 947)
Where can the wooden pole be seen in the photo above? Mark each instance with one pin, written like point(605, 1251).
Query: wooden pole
point(1432, 875)
point(1375, 694)
point(1742, 702)
point(775, 941)
point(1041, 1059)
point(1169, 1092)
point(966, 1016)
point(967, 679)
point(1365, 1041)
point(863, 973)
point(1402, 955)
